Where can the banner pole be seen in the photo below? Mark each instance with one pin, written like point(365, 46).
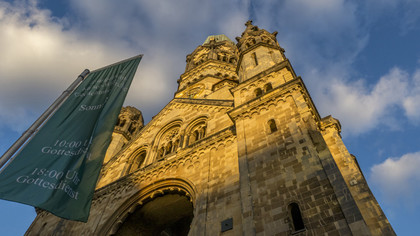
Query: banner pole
point(29, 132)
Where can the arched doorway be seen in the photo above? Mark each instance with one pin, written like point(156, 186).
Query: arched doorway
point(170, 214)
point(164, 207)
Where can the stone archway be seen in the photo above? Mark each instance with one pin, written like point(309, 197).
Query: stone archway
point(170, 214)
point(164, 207)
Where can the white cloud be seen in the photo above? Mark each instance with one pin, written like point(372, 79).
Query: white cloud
point(316, 33)
point(396, 178)
point(361, 108)
point(322, 42)
point(412, 102)
point(36, 64)
point(41, 54)
point(165, 32)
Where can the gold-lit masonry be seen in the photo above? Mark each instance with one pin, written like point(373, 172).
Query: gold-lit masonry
point(239, 150)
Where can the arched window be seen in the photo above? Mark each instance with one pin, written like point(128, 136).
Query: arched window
point(167, 140)
point(258, 92)
point(272, 125)
point(138, 161)
point(135, 161)
point(296, 217)
point(121, 122)
point(196, 131)
point(132, 128)
point(197, 134)
point(268, 87)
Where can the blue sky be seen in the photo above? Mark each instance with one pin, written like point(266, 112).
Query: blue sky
point(359, 59)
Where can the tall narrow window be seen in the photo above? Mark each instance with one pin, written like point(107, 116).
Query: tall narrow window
point(296, 217)
point(161, 152)
point(272, 125)
point(169, 148)
point(254, 56)
point(194, 137)
point(258, 92)
point(176, 145)
point(203, 132)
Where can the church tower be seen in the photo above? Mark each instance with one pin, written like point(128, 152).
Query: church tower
point(239, 150)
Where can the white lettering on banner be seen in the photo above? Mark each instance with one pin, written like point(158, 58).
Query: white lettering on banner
point(43, 178)
point(102, 87)
point(66, 148)
point(63, 152)
point(85, 107)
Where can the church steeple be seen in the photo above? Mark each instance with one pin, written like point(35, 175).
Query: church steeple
point(215, 47)
point(209, 67)
point(258, 51)
point(252, 156)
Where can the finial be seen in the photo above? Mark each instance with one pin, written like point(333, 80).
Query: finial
point(248, 23)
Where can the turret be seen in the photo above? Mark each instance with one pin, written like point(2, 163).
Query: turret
point(210, 67)
point(129, 122)
point(258, 51)
point(262, 65)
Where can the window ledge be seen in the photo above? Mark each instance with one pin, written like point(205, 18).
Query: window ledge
point(298, 231)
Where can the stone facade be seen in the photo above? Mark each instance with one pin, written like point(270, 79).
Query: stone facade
point(240, 150)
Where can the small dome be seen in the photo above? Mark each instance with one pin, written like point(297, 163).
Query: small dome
point(217, 38)
point(216, 48)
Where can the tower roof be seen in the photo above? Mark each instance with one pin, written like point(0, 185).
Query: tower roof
point(217, 38)
point(253, 35)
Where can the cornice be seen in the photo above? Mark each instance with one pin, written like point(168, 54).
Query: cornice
point(284, 64)
point(126, 136)
point(203, 78)
point(254, 106)
point(210, 102)
point(229, 81)
point(330, 122)
point(208, 64)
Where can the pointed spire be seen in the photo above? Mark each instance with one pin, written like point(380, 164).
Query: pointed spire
point(248, 23)
point(253, 35)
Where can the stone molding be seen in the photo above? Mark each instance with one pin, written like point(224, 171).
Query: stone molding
point(277, 67)
point(330, 122)
point(254, 106)
point(209, 64)
point(189, 153)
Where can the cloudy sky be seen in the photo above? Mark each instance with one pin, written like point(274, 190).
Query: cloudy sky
point(359, 59)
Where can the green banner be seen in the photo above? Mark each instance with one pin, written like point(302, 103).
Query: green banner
point(58, 169)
